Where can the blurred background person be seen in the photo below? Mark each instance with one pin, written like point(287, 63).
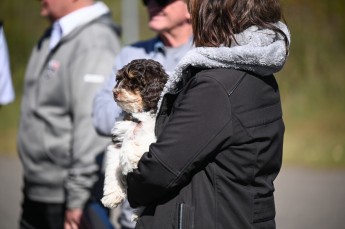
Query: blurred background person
point(171, 21)
point(6, 88)
point(59, 149)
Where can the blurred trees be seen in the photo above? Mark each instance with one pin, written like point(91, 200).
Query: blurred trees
point(312, 83)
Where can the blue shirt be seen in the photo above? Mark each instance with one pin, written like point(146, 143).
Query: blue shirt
point(105, 110)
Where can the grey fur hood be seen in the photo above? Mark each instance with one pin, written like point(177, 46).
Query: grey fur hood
point(261, 51)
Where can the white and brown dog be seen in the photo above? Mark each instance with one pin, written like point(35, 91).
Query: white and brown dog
point(137, 91)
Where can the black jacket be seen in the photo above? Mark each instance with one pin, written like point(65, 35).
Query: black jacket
point(218, 152)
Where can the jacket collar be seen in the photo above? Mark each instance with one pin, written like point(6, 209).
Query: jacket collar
point(81, 17)
point(261, 51)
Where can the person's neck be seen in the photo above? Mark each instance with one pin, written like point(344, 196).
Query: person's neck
point(77, 5)
point(177, 37)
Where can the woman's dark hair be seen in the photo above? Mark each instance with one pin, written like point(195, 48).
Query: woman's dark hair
point(215, 22)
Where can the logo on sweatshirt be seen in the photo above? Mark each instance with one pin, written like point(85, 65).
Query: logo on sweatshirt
point(52, 68)
point(54, 65)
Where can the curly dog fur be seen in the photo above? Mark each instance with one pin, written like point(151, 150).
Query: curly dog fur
point(137, 92)
point(142, 77)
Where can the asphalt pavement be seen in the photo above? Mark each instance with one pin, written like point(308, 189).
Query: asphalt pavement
point(305, 198)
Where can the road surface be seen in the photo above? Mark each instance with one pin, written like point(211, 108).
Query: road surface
point(305, 198)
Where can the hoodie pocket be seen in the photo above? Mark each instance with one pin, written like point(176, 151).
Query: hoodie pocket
point(57, 145)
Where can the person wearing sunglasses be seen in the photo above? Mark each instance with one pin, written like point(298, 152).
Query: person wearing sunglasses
point(171, 22)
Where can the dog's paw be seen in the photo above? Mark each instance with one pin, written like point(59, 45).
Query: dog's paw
point(113, 200)
point(134, 217)
point(113, 189)
point(136, 213)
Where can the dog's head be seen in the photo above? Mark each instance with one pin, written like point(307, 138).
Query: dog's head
point(139, 85)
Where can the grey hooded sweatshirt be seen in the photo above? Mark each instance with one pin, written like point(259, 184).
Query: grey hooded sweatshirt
point(57, 143)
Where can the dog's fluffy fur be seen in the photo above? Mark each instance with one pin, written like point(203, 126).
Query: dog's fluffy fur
point(138, 88)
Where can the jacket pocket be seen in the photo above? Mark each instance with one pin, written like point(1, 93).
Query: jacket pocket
point(57, 147)
point(184, 216)
point(263, 209)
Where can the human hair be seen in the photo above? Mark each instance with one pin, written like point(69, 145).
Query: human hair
point(215, 22)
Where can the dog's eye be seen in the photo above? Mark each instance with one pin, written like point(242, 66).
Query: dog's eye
point(118, 82)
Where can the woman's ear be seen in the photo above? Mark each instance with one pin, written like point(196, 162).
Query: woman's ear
point(188, 17)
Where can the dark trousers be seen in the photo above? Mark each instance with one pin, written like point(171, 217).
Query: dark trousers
point(38, 215)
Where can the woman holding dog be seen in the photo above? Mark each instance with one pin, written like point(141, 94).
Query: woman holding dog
point(219, 126)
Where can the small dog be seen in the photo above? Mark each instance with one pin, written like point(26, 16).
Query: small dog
point(137, 91)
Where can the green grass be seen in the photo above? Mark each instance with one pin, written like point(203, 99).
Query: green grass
point(312, 84)
point(314, 127)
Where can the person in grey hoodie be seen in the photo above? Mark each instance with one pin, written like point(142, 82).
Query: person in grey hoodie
point(57, 144)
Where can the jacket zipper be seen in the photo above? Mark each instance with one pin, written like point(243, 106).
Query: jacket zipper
point(180, 216)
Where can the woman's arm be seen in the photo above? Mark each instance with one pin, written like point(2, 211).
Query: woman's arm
point(199, 119)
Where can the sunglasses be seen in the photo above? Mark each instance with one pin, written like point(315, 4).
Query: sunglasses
point(159, 2)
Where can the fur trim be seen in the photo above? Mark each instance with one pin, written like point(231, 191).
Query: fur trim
point(261, 51)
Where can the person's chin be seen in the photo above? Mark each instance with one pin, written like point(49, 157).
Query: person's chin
point(156, 26)
point(44, 12)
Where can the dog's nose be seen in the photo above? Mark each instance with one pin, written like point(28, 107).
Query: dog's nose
point(115, 93)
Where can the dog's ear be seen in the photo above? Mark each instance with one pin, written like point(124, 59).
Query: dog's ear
point(154, 82)
point(119, 76)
